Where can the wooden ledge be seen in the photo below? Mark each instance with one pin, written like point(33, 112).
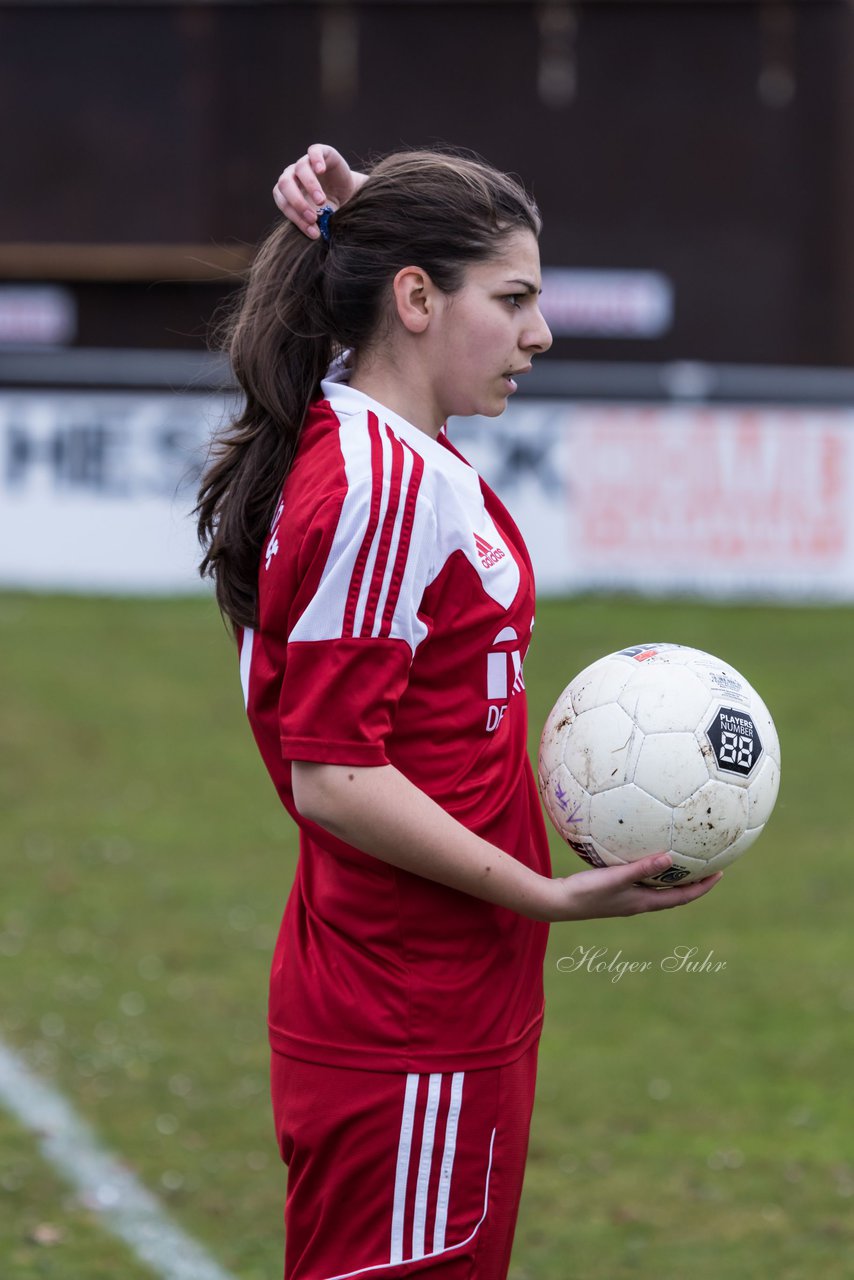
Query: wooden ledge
point(117, 263)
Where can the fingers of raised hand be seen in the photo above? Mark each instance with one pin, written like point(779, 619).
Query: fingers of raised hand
point(317, 155)
point(298, 194)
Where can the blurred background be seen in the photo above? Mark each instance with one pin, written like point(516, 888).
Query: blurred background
point(681, 462)
point(694, 166)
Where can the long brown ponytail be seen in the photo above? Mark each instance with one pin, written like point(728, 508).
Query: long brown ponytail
point(279, 352)
point(306, 300)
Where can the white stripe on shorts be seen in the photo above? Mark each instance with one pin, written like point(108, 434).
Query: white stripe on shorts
point(425, 1164)
point(402, 1173)
point(448, 1161)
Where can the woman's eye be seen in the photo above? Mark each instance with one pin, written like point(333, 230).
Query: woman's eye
point(515, 299)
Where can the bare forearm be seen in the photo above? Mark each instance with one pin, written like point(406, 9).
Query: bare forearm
point(381, 812)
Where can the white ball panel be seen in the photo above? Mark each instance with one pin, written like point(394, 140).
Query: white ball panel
point(762, 792)
point(600, 748)
point(670, 766)
point(551, 742)
point(766, 727)
point(710, 820)
point(664, 697)
point(630, 823)
point(607, 858)
point(599, 684)
point(730, 855)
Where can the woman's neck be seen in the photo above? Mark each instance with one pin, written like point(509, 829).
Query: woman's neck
point(401, 390)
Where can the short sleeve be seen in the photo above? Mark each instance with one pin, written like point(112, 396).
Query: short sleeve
point(363, 566)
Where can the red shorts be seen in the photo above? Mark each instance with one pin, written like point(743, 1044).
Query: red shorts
point(393, 1175)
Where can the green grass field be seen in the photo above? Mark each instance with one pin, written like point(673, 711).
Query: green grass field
point(688, 1125)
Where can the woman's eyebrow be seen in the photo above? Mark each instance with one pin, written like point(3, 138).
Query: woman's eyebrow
point(526, 285)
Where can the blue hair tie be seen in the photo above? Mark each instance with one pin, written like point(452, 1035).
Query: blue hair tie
point(323, 221)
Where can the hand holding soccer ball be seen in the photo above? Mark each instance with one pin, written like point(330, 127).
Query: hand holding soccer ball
point(660, 748)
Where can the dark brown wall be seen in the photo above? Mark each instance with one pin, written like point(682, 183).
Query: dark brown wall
point(169, 123)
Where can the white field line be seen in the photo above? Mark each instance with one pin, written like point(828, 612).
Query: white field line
point(121, 1204)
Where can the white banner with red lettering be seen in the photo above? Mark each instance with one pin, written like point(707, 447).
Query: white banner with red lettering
point(719, 500)
point(96, 491)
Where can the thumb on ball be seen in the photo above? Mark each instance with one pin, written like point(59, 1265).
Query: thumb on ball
point(650, 865)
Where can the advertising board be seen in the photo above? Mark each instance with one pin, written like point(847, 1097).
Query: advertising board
point(97, 489)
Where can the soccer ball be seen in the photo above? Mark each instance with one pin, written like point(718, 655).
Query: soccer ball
point(660, 748)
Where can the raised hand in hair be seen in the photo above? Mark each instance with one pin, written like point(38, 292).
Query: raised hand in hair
point(321, 176)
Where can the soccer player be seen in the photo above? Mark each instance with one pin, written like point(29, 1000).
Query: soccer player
point(383, 600)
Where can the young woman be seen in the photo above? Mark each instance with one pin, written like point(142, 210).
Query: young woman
point(383, 602)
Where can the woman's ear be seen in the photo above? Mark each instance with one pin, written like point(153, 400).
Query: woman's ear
point(413, 296)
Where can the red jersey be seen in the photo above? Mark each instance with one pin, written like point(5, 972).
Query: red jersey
point(396, 604)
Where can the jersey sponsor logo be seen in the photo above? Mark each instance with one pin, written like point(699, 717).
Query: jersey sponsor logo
point(488, 554)
point(503, 678)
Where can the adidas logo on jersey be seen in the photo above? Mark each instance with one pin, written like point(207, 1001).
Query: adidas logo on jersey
point(488, 555)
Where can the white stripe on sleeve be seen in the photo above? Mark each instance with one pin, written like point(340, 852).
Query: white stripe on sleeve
point(246, 661)
point(411, 552)
point(371, 563)
point(394, 549)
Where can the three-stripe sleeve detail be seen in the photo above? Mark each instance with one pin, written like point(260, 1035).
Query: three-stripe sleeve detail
point(352, 625)
point(380, 564)
point(404, 539)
